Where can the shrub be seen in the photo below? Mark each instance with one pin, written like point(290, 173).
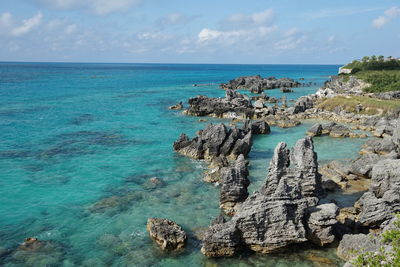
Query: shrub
point(383, 257)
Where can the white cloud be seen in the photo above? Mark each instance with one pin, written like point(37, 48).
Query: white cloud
point(206, 35)
point(100, 7)
point(293, 38)
point(264, 16)
point(379, 22)
point(27, 25)
point(393, 12)
point(389, 15)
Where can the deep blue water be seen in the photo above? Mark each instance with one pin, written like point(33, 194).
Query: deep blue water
point(78, 143)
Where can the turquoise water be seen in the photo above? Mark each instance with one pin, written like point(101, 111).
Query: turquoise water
point(80, 141)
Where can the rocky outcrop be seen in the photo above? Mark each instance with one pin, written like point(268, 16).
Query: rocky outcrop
point(334, 130)
point(258, 84)
point(218, 140)
point(302, 104)
point(380, 146)
point(257, 127)
point(282, 121)
point(166, 233)
point(382, 200)
point(233, 105)
point(340, 85)
point(234, 185)
point(388, 95)
point(350, 245)
point(321, 222)
point(275, 216)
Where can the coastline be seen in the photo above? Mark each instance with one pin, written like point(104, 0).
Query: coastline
point(130, 199)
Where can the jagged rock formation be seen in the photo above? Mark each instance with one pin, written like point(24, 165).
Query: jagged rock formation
point(382, 201)
point(215, 140)
point(233, 105)
point(276, 216)
point(218, 140)
point(257, 84)
point(234, 185)
point(166, 233)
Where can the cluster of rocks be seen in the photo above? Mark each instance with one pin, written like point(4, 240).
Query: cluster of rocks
point(257, 84)
point(283, 212)
point(334, 130)
point(219, 145)
point(234, 105)
point(339, 85)
point(216, 140)
point(375, 210)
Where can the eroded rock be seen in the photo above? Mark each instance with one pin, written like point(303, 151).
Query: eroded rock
point(272, 218)
point(166, 233)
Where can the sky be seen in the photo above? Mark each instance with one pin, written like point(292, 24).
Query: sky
point(198, 31)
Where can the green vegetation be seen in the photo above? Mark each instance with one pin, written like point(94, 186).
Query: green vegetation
point(386, 258)
point(374, 63)
point(382, 73)
point(381, 81)
point(369, 105)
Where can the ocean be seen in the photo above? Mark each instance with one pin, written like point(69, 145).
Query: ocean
point(79, 142)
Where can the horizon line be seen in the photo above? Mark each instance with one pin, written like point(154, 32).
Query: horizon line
point(172, 63)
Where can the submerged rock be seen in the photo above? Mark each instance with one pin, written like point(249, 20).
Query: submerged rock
point(333, 129)
point(178, 106)
point(166, 233)
point(274, 217)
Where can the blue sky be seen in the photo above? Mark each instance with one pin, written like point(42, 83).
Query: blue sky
point(207, 31)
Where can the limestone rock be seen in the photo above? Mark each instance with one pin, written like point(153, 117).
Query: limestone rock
point(256, 83)
point(351, 245)
point(214, 141)
point(274, 217)
point(166, 233)
point(234, 185)
point(321, 221)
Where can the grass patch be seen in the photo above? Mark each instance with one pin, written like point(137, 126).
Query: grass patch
point(381, 81)
point(370, 106)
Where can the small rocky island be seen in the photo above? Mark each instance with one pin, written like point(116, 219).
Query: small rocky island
point(257, 84)
point(293, 206)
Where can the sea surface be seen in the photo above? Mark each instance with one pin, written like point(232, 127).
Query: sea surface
point(79, 142)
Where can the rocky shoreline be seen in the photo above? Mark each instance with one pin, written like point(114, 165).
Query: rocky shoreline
point(287, 209)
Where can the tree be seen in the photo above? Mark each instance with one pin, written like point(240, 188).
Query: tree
point(365, 59)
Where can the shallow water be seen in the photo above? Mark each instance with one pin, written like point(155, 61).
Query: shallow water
point(80, 141)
